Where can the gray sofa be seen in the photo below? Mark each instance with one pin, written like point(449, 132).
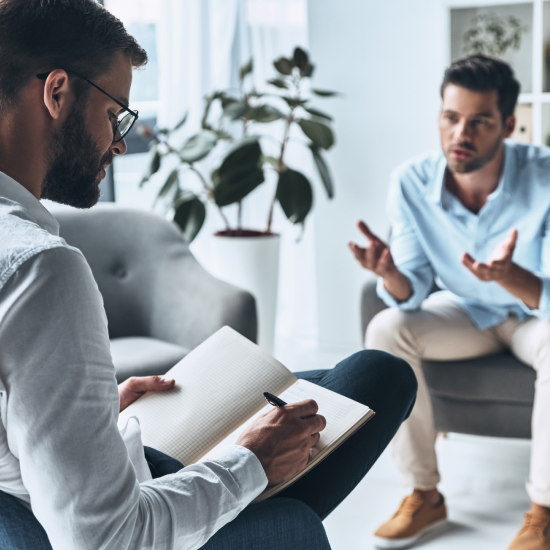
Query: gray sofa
point(160, 302)
point(490, 395)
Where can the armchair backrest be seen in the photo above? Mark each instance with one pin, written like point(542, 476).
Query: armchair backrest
point(126, 250)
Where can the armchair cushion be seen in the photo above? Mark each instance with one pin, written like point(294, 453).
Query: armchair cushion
point(142, 356)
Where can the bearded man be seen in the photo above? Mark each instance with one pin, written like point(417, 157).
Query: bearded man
point(69, 479)
point(476, 217)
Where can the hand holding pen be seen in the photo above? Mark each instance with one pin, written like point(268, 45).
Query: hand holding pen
point(281, 438)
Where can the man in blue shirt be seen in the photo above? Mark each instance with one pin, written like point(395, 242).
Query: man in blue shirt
point(475, 217)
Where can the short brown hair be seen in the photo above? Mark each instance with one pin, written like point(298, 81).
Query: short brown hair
point(41, 35)
point(480, 73)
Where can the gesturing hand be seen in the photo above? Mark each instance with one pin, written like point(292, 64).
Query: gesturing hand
point(136, 386)
point(500, 263)
point(377, 256)
point(282, 438)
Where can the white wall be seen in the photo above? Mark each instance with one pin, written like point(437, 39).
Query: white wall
point(388, 57)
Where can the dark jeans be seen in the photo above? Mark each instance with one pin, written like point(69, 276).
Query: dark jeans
point(292, 519)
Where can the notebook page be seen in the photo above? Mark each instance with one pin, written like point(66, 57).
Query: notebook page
point(341, 413)
point(219, 385)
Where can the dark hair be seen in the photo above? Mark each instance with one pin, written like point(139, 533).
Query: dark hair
point(484, 74)
point(41, 35)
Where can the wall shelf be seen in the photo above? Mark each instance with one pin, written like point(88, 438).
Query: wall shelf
point(531, 62)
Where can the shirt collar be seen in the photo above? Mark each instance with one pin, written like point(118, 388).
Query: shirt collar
point(15, 192)
point(434, 190)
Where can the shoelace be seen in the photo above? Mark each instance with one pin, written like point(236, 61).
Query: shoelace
point(537, 523)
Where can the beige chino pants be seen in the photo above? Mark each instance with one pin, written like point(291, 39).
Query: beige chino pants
point(442, 330)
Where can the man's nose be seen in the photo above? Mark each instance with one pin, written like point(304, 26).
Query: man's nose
point(462, 132)
point(119, 147)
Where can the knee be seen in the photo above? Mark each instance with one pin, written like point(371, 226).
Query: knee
point(390, 374)
point(300, 522)
point(385, 329)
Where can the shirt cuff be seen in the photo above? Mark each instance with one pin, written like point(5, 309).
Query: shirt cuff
point(245, 468)
point(411, 304)
point(544, 303)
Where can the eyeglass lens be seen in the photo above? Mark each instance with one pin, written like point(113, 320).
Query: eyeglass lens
point(125, 123)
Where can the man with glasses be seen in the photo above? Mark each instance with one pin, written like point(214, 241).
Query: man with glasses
point(69, 479)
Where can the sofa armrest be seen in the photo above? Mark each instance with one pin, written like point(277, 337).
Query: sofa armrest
point(371, 304)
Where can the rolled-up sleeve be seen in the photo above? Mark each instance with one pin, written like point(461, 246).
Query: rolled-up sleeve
point(407, 252)
point(60, 407)
point(544, 275)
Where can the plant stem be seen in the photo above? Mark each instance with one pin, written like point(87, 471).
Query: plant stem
point(210, 192)
point(280, 165)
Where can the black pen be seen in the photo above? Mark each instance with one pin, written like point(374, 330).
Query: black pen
point(274, 400)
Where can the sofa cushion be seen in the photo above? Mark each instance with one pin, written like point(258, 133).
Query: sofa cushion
point(142, 356)
point(494, 378)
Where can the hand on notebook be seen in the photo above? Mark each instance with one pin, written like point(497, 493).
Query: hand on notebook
point(282, 438)
point(136, 386)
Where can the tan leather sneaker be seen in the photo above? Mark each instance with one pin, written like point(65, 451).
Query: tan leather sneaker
point(534, 533)
point(414, 518)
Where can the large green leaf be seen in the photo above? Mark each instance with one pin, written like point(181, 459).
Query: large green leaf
point(171, 182)
point(295, 195)
point(308, 71)
point(239, 174)
point(294, 101)
point(318, 132)
point(324, 93)
point(198, 146)
point(265, 113)
point(279, 82)
point(284, 65)
point(246, 69)
point(153, 164)
point(316, 112)
point(236, 110)
point(322, 167)
point(189, 215)
point(301, 59)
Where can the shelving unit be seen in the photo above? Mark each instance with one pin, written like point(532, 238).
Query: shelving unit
point(531, 62)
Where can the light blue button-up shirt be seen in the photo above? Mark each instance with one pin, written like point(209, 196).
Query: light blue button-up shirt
point(431, 229)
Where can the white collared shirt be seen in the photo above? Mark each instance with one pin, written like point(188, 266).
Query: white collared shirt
point(60, 448)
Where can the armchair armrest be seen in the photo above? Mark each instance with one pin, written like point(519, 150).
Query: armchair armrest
point(190, 304)
point(371, 304)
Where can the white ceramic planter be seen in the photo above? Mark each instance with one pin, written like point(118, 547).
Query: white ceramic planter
point(251, 263)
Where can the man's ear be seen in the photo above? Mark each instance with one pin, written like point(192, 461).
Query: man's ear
point(58, 95)
point(509, 126)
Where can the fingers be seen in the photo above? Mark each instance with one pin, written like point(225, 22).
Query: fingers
point(315, 439)
point(364, 228)
point(316, 423)
point(512, 240)
point(480, 270)
point(305, 408)
point(150, 383)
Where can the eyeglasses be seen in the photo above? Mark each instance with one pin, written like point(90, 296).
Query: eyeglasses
point(125, 120)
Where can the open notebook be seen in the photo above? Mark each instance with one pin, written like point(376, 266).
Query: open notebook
point(219, 390)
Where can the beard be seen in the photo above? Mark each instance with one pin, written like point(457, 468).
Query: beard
point(477, 162)
point(73, 175)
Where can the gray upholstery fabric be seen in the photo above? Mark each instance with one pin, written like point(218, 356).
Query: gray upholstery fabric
point(490, 395)
point(140, 356)
point(151, 284)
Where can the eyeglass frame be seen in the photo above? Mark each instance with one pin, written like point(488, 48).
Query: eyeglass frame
point(44, 76)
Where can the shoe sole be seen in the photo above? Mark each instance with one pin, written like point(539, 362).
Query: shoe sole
point(406, 543)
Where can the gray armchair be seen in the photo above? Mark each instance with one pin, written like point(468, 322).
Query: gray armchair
point(491, 395)
point(160, 302)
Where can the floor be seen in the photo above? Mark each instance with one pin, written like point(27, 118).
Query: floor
point(483, 482)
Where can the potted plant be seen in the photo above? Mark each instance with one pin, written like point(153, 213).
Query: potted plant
point(247, 257)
